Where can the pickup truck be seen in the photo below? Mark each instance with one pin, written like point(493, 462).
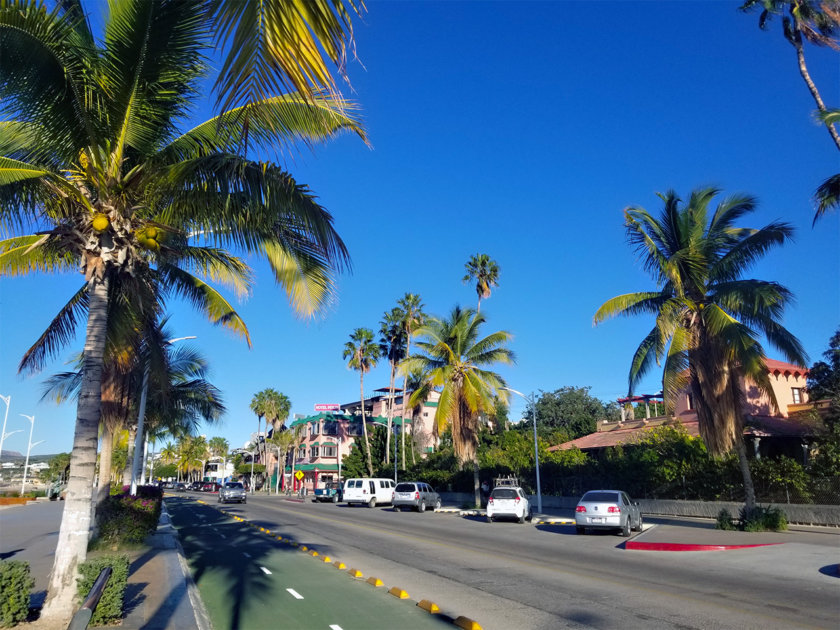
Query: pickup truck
point(330, 492)
point(232, 491)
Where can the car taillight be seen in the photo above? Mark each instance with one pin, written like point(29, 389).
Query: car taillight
point(417, 495)
point(580, 508)
point(516, 500)
point(614, 509)
point(490, 500)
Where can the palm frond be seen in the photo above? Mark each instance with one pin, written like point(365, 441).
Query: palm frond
point(827, 197)
point(630, 304)
point(60, 332)
point(22, 255)
point(308, 282)
point(749, 249)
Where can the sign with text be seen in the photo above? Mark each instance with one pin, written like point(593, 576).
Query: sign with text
point(328, 407)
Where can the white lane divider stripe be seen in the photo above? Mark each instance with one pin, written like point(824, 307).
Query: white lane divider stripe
point(294, 593)
point(222, 536)
point(335, 626)
point(266, 571)
point(246, 554)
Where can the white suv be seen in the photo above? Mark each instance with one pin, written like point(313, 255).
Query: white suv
point(510, 502)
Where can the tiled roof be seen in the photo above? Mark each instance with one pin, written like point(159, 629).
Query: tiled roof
point(780, 366)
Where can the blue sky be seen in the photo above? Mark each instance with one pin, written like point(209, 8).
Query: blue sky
point(520, 130)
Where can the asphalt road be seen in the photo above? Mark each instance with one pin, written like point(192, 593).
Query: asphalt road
point(506, 575)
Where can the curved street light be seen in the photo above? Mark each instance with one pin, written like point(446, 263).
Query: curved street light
point(28, 450)
point(530, 401)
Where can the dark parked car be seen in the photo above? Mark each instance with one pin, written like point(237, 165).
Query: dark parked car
point(415, 495)
point(330, 492)
point(180, 487)
point(209, 486)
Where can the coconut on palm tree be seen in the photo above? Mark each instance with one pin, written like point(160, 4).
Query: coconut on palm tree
point(708, 317)
point(392, 347)
point(413, 317)
point(455, 359)
point(485, 271)
point(97, 175)
point(362, 354)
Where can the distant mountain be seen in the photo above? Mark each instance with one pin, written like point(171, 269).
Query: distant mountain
point(10, 454)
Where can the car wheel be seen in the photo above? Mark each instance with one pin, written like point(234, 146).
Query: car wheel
point(335, 498)
point(580, 530)
point(244, 500)
point(530, 516)
point(489, 519)
point(625, 530)
point(639, 523)
point(372, 502)
point(437, 505)
point(522, 518)
point(421, 507)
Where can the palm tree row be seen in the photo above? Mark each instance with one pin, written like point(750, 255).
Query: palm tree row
point(274, 406)
point(96, 175)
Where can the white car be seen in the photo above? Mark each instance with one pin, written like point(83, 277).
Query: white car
point(508, 502)
point(368, 490)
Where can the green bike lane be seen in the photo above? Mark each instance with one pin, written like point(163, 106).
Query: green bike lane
point(248, 579)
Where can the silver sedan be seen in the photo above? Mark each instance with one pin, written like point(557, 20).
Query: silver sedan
point(608, 509)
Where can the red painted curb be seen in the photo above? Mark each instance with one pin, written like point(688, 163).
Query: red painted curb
point(653, 546)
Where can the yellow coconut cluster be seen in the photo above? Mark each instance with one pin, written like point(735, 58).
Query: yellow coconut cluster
point(150, 237)
point(100, 222)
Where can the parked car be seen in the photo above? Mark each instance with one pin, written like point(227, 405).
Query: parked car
point(416, 495)
point(370, 491)
point(330, 492)
point(607, 509)
point(210, 486)
point(168, 485)
point(180, 487)
point(232, 491)
point(508, 502)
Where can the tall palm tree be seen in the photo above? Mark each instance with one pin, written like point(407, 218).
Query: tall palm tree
point(814, 21)
point(277, 407)
point(362, 354)
point(827, 195)
point(259, 405)
point(707, 316)
point(283, 442)
point(392, 347)
point(453, 358)
point(93, 162)
point(485, 272)
point(413, 317)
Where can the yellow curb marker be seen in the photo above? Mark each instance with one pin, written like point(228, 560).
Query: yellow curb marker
point(467, 624)
point(429, 607)
point(397, 592)
point(280, 538)
point(339, 565)
point(314, 554)
point(375, 581)
point(355, 573)
point(326, 559)
point(304, 548)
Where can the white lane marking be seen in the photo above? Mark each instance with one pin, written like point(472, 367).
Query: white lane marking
point(294, 593)
point(335, 626)
point(266, 571)
point(246, 554)
point(222, 536)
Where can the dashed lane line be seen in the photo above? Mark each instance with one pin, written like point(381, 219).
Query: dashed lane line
point(246, 554)
point(266, 571)
point(335, 626)
point(294, 593)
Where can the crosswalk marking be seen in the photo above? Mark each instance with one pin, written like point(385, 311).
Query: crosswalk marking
point(266, 571)
point(294, 593)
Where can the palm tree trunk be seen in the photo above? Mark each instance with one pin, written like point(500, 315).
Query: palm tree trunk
point(749, 489)
point(364, 422)
point(476, 485)
point(71, 548)
point(129, 456)
point(405, 402)
point(806, 76)
point(106, 457)
point(390, 414)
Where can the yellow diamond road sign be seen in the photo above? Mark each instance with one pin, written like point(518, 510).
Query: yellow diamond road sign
point(299, 475)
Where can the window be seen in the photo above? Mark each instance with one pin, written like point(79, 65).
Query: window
point(315, 428)
point(354, 429)
point(331, 428)
point(797, 395)
point(301, 452)
point(313, 452)
point(425, 414)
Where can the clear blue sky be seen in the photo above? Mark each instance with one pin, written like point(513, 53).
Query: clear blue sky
point(520, 130)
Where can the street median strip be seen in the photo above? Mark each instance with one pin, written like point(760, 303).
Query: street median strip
point(467, 624)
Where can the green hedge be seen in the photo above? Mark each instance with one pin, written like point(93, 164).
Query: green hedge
point(110, 608)
point(15, 587)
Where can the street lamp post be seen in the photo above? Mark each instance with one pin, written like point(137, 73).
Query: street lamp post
point(28, 450)
point(530, 401)
point(3, 434)
point(141, 415)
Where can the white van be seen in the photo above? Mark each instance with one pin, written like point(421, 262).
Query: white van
point(369, 490)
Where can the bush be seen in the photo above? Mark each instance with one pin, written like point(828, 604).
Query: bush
point(724, 520)
point(762, 519)
point(110, 606)
point(129, 519)
point(15, 586)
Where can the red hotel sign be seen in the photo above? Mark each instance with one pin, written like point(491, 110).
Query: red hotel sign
point(327, 407)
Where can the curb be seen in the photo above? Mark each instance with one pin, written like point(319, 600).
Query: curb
point(653, 546)
point(430, 607)
point(202, 619)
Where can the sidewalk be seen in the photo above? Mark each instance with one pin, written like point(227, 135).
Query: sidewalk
point(160, 594)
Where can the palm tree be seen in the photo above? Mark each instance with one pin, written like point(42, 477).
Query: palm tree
point(485, 272)
point(453, 357)
point(827, 195)
point(413, 317)
point(283, 442)
point(815, 21)
point(392, 347)
point(93, 162)
point(362, 355)
point(707, 316)
point(259, 405)
point(277, 407)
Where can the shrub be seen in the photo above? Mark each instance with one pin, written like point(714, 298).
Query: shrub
point(129, 519)
point(762, 519)
point(15, 586)
point(724, 520)
point(110, 606)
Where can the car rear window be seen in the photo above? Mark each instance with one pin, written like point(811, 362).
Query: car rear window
point(234, 485)
point(405, 487)
point(504, 493)
point(600, 497)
